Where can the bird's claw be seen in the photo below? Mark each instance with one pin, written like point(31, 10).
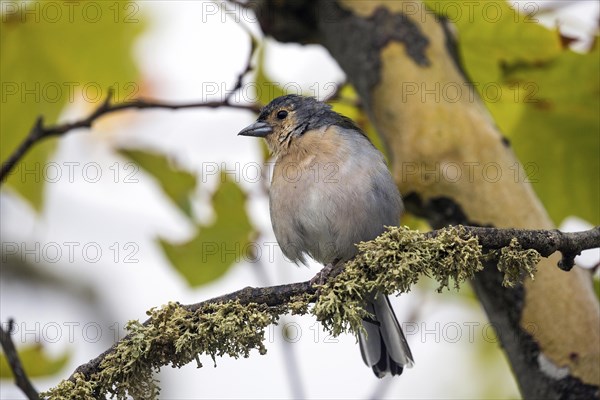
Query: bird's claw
point(323, 275)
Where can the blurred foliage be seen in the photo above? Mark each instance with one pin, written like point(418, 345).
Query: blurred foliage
point(35, 361)
point(178, 185)
point(559, 134)
point(415, 223)
point(218, 246)
point(53, 54)
point(544, 98)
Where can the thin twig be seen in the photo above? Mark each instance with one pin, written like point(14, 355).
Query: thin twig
point(40, 132)
point(546, 242)
point(21, 378)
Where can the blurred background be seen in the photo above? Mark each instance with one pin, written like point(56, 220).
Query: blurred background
point(152, 206)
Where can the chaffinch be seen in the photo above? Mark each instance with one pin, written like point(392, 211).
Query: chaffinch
point(331, 189)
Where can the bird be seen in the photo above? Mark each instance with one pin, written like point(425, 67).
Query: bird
point(331, 189)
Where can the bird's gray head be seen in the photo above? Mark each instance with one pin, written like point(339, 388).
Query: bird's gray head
point(287, 118)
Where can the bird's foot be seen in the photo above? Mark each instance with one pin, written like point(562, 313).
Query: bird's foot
point(323, 276)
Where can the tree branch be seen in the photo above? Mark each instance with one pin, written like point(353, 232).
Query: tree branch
point(21, 378)
point(545, 242)
point(273, 296)
point(40, 132)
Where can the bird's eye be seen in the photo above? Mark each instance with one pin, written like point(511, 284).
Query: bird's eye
point(282, 114)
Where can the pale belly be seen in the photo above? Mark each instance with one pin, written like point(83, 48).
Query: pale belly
point(325, 219)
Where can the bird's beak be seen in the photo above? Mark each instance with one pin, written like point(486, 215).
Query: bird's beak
point(257, 129)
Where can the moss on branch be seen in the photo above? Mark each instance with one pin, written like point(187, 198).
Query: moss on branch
point(390, 264)
point(175, 336)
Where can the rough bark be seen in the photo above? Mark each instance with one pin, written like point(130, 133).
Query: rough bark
point(550, 327)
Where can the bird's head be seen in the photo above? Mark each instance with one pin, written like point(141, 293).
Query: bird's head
point(287, 118)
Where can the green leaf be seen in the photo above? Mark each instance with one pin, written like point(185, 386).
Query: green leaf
point(543, 97)
point(36, 362)
point(51, 53)
point(494, 33)
point(218, 246)
point(557, 136)
point(177, 184)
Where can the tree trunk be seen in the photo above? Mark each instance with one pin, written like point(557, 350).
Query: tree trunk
point(550, 327)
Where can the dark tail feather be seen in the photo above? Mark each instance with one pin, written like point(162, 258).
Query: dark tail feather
point(384, 347)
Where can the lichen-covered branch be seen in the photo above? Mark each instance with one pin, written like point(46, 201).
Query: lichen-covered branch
point(545, 242)
point(234, 324)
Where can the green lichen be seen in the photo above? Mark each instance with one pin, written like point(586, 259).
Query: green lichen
point(299, 305)
point(176, 336)
point(80, 389)
point(392, 263)
point(389, 264)
point(515, 263)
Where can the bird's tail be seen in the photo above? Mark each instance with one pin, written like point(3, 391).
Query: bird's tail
point(384, 347)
